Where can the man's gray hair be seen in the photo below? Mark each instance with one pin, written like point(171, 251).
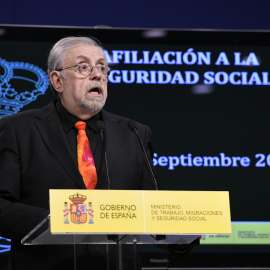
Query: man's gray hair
point(59, 50)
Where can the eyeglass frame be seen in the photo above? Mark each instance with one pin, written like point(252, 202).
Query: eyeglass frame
point(91, 68)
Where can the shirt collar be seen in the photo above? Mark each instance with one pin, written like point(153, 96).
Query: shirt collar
point(68, 120)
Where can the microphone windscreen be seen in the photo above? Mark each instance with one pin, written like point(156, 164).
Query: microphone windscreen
point(132, 125)
point(100, 125)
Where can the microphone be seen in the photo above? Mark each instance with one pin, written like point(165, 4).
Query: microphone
point(133, 127)
point(101, 127)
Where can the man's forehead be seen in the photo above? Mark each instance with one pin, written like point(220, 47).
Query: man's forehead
point(85, 52)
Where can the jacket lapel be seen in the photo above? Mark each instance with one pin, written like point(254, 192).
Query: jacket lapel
point(49, 126)
point(114, 132)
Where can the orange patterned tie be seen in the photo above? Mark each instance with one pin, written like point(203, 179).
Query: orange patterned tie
point(86, 162)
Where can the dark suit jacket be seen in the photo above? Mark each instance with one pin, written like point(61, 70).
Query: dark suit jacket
point(35, 157)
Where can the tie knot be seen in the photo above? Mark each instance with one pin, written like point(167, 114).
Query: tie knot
point(80, 125)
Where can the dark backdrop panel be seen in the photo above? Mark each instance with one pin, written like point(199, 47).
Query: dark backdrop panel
point(216, 119)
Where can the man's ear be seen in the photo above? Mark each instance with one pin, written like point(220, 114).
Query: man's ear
point(57, 81)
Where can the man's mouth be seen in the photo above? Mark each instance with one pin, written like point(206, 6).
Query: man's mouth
point(95, 91)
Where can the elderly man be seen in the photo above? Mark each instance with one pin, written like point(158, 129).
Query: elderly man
point(39, 151)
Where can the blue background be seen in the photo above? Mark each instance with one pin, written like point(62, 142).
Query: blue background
point(181, 14)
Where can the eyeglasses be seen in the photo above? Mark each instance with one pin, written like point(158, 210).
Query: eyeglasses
point(86, 69)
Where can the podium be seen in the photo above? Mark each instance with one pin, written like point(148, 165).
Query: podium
point(120, 220)
point(41, 235)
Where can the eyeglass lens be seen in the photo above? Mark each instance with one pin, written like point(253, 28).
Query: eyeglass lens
point(87, 69)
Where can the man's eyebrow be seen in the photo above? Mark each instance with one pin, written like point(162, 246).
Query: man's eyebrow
point(83, 58)
point(86, 59)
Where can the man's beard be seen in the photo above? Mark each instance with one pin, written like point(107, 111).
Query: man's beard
point(93, 104)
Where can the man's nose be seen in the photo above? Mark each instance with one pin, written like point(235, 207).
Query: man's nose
point(95, 74)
